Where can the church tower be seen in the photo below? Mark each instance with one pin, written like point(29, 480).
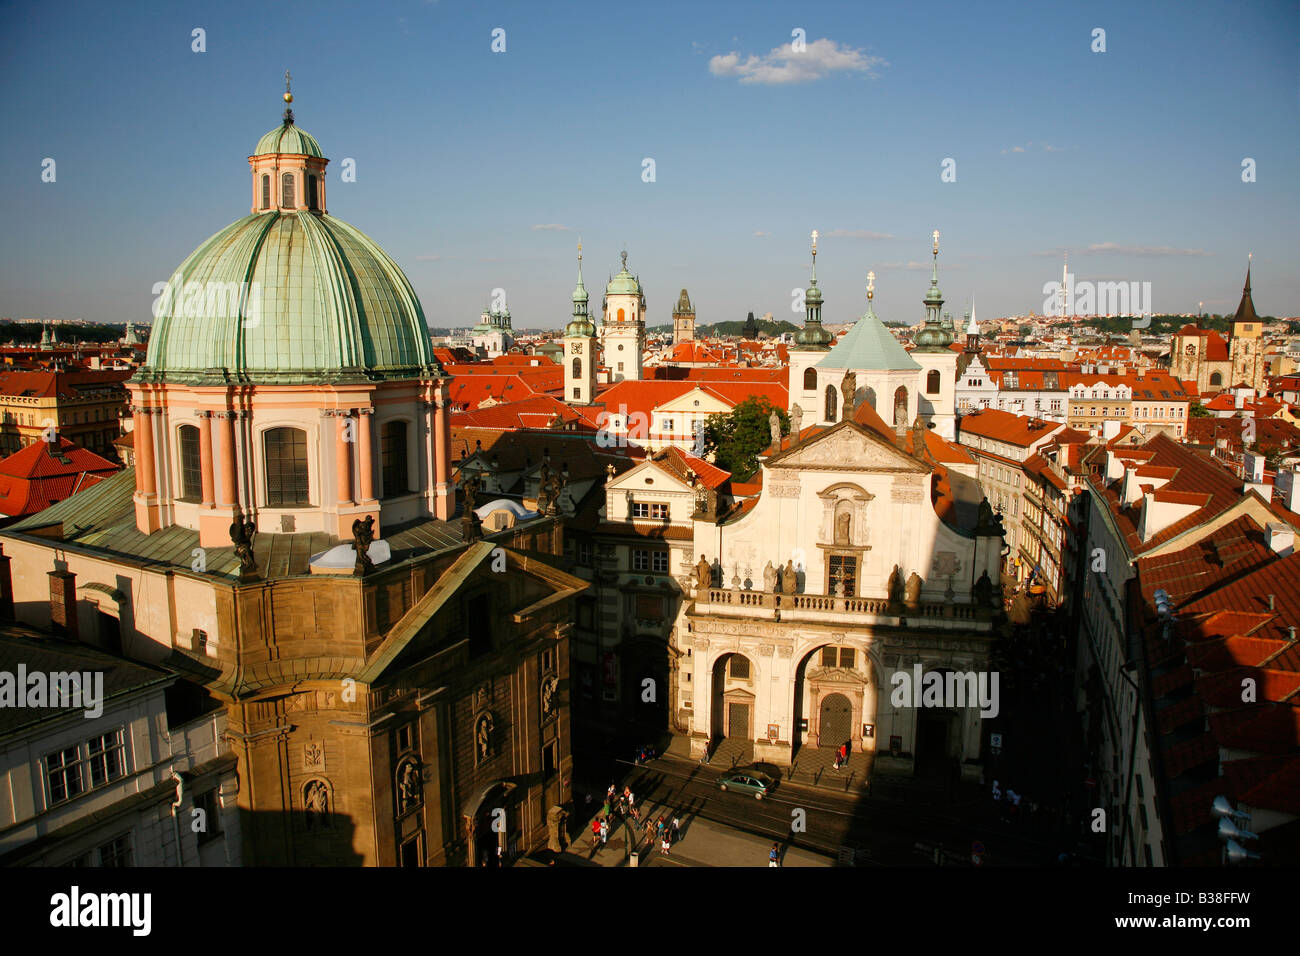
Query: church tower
point(811, 343)
point(937, 400)
point(623, 329)
point(1243, 345)
point(683, 320)
point(580, 348)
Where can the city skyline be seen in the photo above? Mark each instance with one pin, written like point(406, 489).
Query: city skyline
point(478, 170)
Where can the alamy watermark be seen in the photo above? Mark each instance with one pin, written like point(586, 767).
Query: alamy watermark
point(209, 300)
point(947, 689)
point(38, 689)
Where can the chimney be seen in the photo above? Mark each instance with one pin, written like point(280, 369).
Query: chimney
point(63, 603)
point(6, 589)
point(1292, 497)
point(1238, 400)
point(1280, 539)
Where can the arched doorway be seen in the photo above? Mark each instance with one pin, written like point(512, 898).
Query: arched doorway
point(938, 736)
point(492, 829)
point(734, 678)
point(645, 684)
point(835, 721)
point(834, 695)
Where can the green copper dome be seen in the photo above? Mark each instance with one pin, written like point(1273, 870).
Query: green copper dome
point(623, 284)
point(288, 138)
point(288, 297)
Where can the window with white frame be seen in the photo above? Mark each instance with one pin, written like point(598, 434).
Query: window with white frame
point(646, 560)
point(650, 509)
point(73, 770)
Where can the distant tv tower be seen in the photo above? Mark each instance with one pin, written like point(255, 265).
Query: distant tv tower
point(1065, 287)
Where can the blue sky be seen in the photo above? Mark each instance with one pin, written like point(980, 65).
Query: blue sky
point(479, 170)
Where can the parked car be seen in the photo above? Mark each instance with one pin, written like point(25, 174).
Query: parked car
point(747, 781)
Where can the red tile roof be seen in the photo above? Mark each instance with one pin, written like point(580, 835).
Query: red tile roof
point(536, 411)
point(995, 424)
point(32, 479)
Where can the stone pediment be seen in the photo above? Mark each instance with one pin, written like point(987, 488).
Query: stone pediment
point(847, 447)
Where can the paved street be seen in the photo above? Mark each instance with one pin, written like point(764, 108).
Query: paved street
point(884, 829)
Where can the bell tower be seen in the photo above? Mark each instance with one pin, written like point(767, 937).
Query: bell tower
point(580, 348)
point(623, 328)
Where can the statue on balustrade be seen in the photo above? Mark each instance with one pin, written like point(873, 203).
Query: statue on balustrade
point(912, 593)
point(789, 578)
point(769, 578)
point(703, 574)
point(895, 586)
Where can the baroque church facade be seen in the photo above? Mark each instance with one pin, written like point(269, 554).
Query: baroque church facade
point(393, 677)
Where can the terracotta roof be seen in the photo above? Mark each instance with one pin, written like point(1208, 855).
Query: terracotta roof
point(1199, 480)
point(32, 479)
point(998, 425)
point(728, 374)
point(1236, 548)
point(536, 411)
point(678, 462)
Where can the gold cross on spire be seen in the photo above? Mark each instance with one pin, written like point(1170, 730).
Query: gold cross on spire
point(871, 285)
point(936, 242)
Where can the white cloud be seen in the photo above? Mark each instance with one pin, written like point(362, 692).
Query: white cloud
point(761, 233)
point(783, 65)
point(1115, 248)
point(1045, 147)
point(551, 227)
point(905, 266)
point(857, 234)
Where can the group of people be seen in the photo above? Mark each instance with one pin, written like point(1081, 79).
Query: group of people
point(1007, 804)
point(663, 832)
point(841, 756)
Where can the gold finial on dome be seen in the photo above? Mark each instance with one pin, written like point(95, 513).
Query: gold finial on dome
point(288, 98)
point(871, 286)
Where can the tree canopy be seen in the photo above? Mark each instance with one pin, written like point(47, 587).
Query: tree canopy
point(735, 439)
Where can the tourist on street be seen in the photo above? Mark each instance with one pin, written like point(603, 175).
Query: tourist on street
point(774, 857)
point(604, 831)
point(664, 846)
point(676, 829)
point(595, 832)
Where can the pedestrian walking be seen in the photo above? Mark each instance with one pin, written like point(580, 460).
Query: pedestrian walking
point(677, 828)
point(659, 828)
point(663, 850)
point(595, 832)
point(774, 857)
point(844, 754)
point(604, 832)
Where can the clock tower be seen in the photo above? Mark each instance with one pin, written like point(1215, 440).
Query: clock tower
point(580, 348)
point(623, 331)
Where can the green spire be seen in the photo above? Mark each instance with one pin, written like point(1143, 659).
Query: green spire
point(580, 326)
point(935, 334)
point(812, 335)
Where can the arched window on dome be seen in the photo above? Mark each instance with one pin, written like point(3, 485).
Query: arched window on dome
point(900, 406)
point(266, 191)
point(286, 467)
point(832, 403)
point(392, 454)
point(191, 469)
point(810, 379)
point(577, 368)
point(286, 190)
point(933, 382)
point(312, 201)
point(620, 315)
